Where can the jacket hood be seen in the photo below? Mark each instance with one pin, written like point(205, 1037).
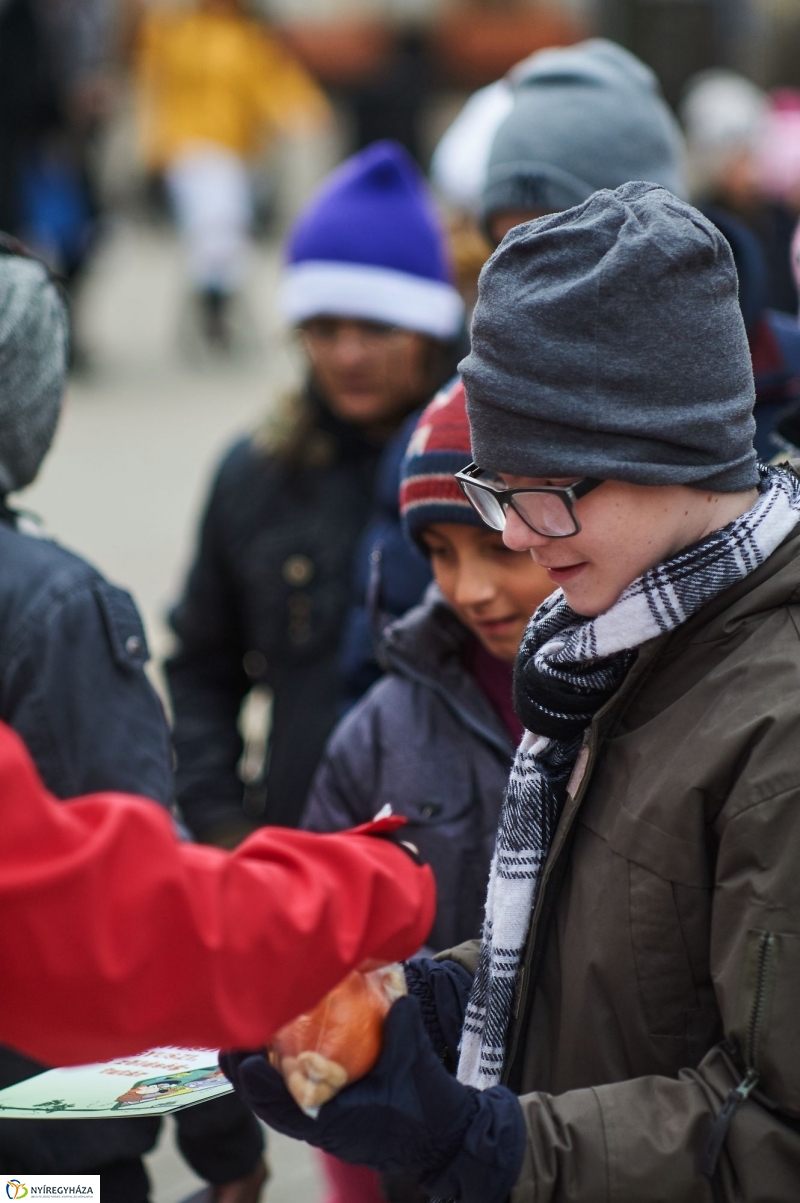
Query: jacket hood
point(33, 367)
point(426, 637)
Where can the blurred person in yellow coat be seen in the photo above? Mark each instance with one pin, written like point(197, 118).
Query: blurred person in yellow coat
point(215, 87)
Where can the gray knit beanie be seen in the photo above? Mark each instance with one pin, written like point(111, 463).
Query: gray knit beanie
point(608, 341)
point(33, 366)
point(587, 117)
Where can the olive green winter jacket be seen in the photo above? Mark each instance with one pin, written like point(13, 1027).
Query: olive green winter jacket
point(663, 964)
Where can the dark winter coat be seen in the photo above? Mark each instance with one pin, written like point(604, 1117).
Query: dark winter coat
point(264, 605)
point(774, 340)
point(391, 573)
point(72, 672)
point(426, 740)
point(663, 961)
point(73, 685)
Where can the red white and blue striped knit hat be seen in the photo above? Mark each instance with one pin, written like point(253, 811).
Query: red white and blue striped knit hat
point(438, 448)
point(370, 245)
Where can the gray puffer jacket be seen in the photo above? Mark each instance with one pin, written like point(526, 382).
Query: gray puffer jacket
point(426, 740)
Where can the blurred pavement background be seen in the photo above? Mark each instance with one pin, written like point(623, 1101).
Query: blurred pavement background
point(294, 1173)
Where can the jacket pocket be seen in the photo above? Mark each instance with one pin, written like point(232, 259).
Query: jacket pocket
point(123, 625)
point(663, 970)
point(766, 1018)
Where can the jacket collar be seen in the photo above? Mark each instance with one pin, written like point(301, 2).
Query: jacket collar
point(771, 586)
point(425, 646)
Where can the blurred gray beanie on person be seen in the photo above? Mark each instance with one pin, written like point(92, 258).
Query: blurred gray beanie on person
point(33, 368)
point(608, 341)
point(586, 117)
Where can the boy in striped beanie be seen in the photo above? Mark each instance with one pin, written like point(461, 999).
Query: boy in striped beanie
point(491, 590)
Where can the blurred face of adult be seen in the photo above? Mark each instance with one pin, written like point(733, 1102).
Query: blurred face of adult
point(367, 372)
point(500, 223)
point(493, 590)
point(625, 529)
point(738, 183)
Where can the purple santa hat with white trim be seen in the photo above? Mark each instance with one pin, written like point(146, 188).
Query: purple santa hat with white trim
point(369, 245)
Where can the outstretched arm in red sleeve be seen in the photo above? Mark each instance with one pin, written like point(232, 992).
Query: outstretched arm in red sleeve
point(115, 937)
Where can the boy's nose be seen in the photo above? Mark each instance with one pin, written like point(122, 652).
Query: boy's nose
point(349, 345)
point(518, 535)
point(473, 588)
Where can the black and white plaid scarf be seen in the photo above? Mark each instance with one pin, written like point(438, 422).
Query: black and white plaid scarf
point(567, 668)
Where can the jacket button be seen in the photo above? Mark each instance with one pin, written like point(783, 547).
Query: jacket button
point(297, 570)
point(134, 646)
point(430, 810)
point(254, 663)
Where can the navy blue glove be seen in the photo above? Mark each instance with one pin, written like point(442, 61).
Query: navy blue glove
point(442, 988)
point(407, 1115)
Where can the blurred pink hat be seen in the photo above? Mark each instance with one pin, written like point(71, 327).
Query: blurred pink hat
point(778, 153)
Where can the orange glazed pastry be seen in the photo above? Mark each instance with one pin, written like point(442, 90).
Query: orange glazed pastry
point(339, 1040)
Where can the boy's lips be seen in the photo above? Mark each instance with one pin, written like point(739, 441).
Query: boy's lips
point(491, 626)
point(560, 575)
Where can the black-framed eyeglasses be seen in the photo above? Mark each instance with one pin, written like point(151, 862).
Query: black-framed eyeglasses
point(547, 510)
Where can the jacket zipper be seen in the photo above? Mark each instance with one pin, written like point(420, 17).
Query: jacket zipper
point(765, 946)
point(722, 1122)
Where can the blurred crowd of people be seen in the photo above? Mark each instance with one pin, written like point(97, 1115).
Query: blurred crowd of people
point(55, 91)
point(215, 86)
point(339, 564)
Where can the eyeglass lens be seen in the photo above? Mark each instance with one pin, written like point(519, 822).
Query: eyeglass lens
point(487, 506)
point(546, 513)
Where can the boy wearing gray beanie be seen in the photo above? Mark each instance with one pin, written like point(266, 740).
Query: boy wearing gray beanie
point(622, 319)
point(584, 117)
point(630, 1030)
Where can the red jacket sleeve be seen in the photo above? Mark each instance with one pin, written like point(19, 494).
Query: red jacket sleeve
point(115, 937)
